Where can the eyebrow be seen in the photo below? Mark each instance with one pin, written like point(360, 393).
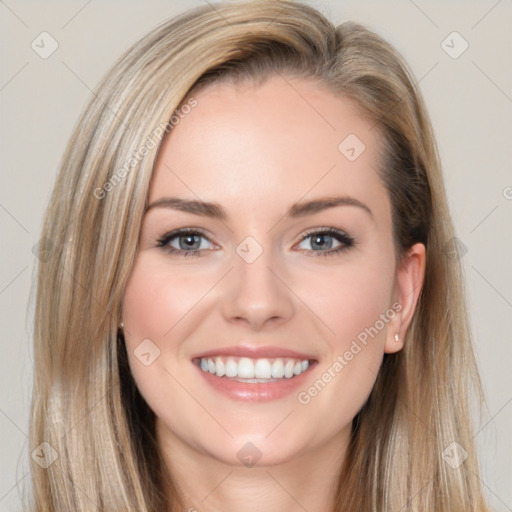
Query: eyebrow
point(216, 211)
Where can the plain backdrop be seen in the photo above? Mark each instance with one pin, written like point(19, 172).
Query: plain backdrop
point(469, 97)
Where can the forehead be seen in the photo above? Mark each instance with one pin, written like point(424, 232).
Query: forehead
point(269, 145)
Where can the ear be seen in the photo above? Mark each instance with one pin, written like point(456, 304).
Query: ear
point(408, 284)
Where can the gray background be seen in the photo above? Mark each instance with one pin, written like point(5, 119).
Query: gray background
point(470, 102)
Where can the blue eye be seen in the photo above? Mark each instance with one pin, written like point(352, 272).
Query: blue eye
point(322, 239)
point(189, 242)
point(187, 239)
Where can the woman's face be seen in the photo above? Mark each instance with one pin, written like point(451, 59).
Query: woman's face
point(258, 290)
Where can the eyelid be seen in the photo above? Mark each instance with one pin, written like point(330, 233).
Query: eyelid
point(174, 233)
point(324, 229)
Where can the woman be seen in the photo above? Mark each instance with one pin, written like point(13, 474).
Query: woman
point(184, 358)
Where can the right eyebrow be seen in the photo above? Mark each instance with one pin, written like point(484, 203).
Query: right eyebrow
point(213, 210)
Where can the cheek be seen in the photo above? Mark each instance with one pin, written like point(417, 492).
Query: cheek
point(352, 298)
point(156, 298)
point(163, 304)
point(355, 304)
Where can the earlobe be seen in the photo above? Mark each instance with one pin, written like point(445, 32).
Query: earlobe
point(394, 336)
point(409, 282)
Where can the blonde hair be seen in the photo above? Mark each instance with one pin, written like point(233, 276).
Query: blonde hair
point(85, 403)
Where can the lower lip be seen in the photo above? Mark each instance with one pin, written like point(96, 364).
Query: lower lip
point(259, 391)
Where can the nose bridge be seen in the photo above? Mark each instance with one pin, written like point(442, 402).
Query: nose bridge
point(256, 292)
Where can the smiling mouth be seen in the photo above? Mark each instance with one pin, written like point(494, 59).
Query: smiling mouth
point(252, 371)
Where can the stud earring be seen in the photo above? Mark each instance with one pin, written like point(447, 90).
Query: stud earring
point(121, 325)
point(397, 338)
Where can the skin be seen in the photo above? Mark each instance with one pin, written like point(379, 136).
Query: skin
point(256, 150)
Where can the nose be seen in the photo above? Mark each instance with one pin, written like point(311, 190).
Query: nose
point(256, 293)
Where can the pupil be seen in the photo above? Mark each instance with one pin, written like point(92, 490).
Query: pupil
point(320, 244)
point(189, 240)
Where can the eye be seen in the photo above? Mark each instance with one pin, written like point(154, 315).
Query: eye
point(322, 239)
point(188, 241)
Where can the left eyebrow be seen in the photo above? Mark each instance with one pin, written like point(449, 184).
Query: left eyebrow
point(317, 205)
point(216, 211)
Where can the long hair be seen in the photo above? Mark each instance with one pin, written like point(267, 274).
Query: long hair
point(101, 452)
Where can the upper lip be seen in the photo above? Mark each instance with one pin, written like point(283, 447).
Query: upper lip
point(254, 352)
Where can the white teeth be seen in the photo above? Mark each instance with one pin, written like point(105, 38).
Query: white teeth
point(262, 369)
point(288, 368)
point(245, 368)
point(254, 370)
point(219, 365)
point(278, 369)
point(231, 368)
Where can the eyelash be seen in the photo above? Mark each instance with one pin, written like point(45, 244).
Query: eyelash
point(347, 241)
